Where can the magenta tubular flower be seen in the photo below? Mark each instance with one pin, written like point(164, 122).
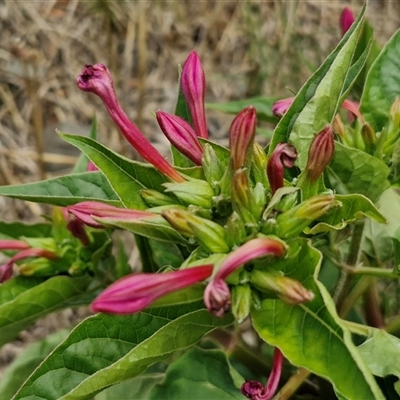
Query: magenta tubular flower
point(283, 156)
point(6, 269)
point(97, 79)
point(354, 108)
point(346, 20)
point(241, 137)
point(254, 390)
point(216, 294)
point(86, 210)
point(193, 85)
point(281, 106)
point(181, 135)
point(13, 245)
point(320, 153)
point(135, 292)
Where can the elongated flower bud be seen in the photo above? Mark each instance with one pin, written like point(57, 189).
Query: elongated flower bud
point(281, 106)
point(135, 292)
point(241, 138)
point(11, 244)
point(320, 153)
point(193, 83)
point(181, 135)
point(283, 156)
point(207, 232)
point(86, 210)
point(346, 20)
point(241, 196)
point(97, 79)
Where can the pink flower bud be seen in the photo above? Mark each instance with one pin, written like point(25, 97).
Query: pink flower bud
point(283, 156)
point(86, 210)
point(193, 84)
point(181, 135)
point(13, 245)
point(320, 153)
point(281, 106)
point(97, 79)
point(241, 137)
point(135, 292)
point(346, 20)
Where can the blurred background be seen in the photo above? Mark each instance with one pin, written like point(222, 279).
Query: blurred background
point(248, 48)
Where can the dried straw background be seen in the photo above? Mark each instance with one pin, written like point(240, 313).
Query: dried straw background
point(247, 48)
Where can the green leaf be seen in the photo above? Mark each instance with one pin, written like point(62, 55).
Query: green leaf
point(104, 350)
point(65, 190)
point(198, 375)
point(16, 230)
point(126, 177)
point(83, 161)
point(382, 84)
point(19, 370)
point(263, 106)
point(354, 206)
point(381, 352)
point(24, 300)
point(353, 171)
point(317, 102)
point(311, 334)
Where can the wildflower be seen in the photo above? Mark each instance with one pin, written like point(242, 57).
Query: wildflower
point(181, 135)
point(284, 155)
point(87, 211)
point(320, 153)
point(216, 294)
point(254, 390)
point(241, 137)
point(193, 85)
point(281, 106)
point(97, 79)
point(346, 20)
point(135, 292)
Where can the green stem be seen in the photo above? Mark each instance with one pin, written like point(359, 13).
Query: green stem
point(292, 384)
point(372, 309)
point(345, 280)
point(355, 294)
point(359, 329)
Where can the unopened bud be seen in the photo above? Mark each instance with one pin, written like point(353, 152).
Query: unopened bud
point(197, 192)
point(346, 20)
point(235, 230)
point(153, 198)
point(287, 289)
point(338, 127)
point(369, 138)
point(394, 112)
point(320, 153)
point(292, 222)
point(241, 302)
point(241, 196)
point(241, 137)
point(282, 157)
point(259, 165)
point(207, 232)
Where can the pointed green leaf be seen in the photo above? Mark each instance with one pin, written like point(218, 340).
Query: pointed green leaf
point(354, 206)
point(26, 362)
point(65, 190)
point(16, 230)
point(382, 84)
point(262, 104)
point(106, 349)
point(311, 334)
point(353, 171)
point(381, 352)
point(198, 375)
point(24, 300)
point(317, 102)
point(126, 177)
point(83, 161)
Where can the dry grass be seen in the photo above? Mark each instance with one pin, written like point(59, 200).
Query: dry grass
point(247, 48)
